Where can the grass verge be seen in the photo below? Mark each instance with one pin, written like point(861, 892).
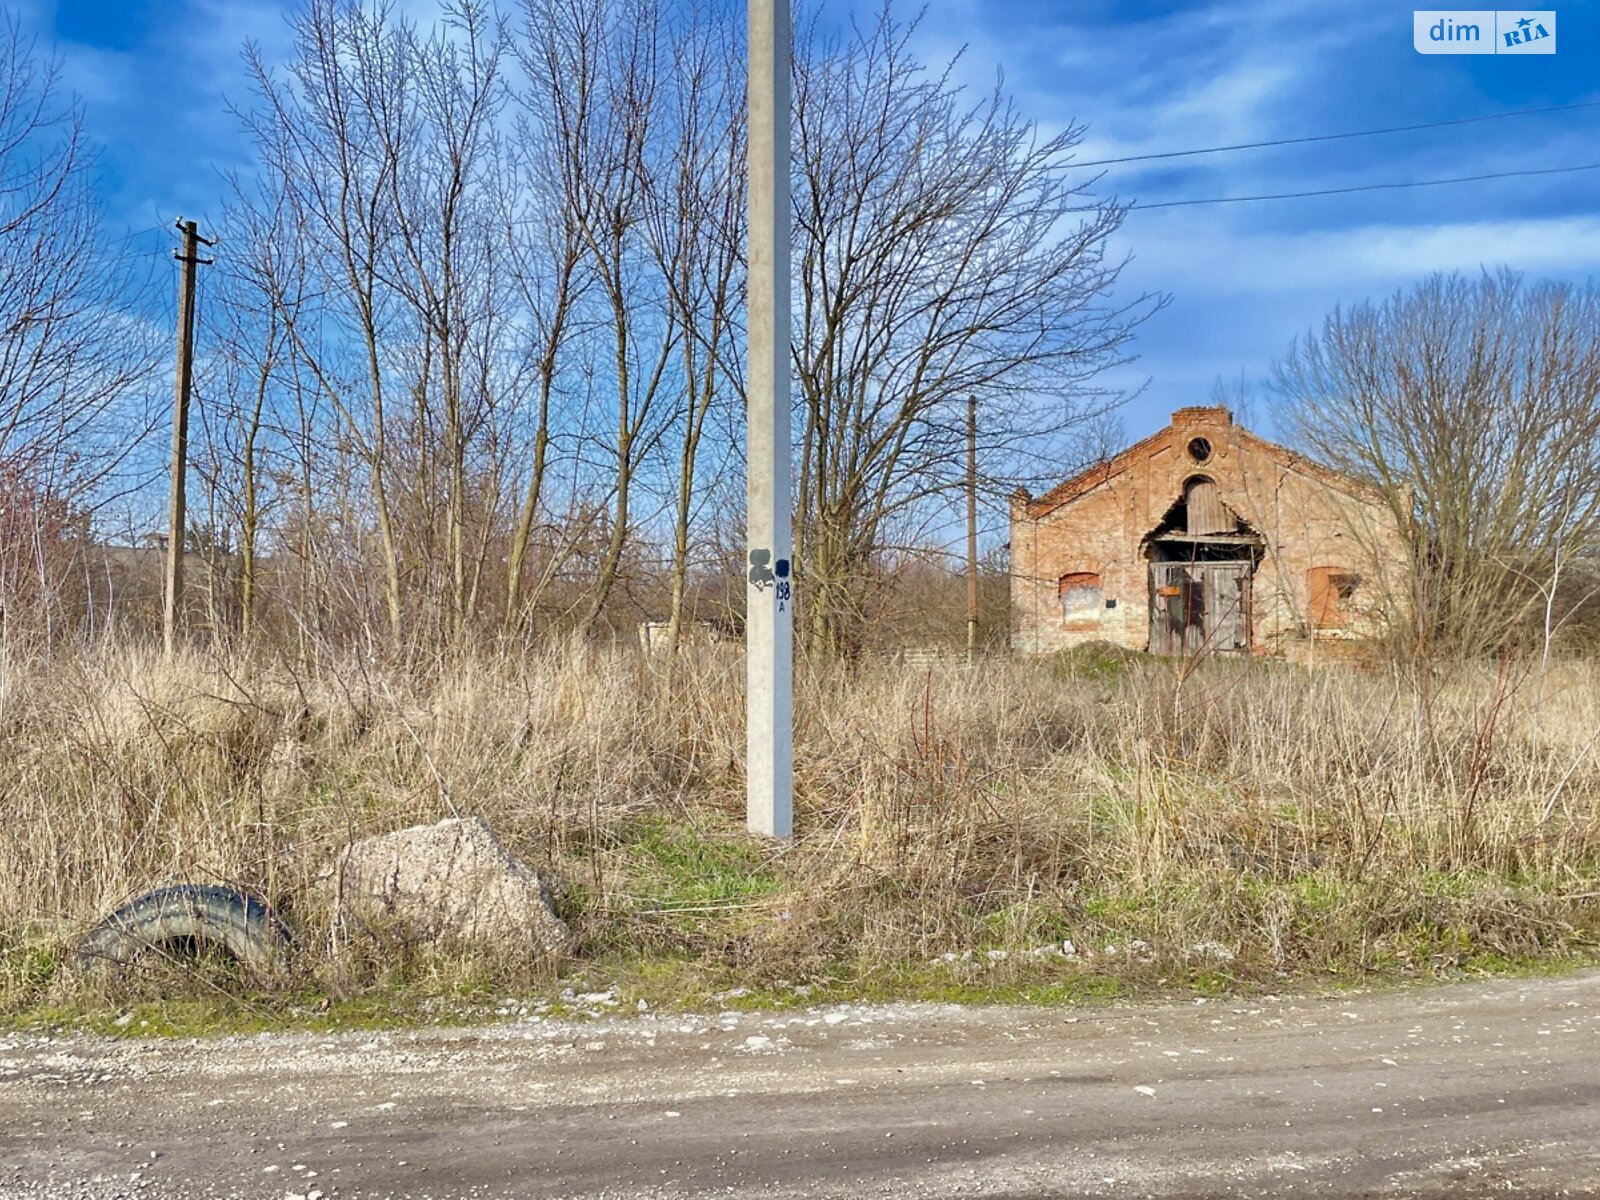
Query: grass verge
point(1064, 831)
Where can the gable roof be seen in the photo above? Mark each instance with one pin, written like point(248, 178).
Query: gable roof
point(1186, 422)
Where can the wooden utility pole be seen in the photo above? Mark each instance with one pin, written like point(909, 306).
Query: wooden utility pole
point(972, 530)
point(189, 259)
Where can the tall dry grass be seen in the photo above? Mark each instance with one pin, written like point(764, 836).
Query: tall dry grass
point(1325, 821)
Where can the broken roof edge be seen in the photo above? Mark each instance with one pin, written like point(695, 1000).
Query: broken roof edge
point(1102, 472)
point(1094, 475)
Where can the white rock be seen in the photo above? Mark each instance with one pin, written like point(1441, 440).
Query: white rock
point(1212, 951)
point(450, 883)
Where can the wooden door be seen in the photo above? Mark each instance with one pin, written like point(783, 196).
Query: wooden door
point(1228, 606)
point(1177, 608)
point(1200, 607)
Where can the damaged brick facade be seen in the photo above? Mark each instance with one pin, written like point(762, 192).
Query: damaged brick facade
point(1205, 538)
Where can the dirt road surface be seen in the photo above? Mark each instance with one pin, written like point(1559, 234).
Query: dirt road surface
point(1461, 1091)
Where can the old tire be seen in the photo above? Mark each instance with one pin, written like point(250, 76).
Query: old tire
point(187, 917)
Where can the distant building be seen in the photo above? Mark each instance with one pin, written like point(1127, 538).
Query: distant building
point(1204, 538)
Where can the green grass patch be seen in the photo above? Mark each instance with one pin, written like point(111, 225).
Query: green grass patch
point(682, 985)
point(678, 984)
point(673, 866)
point(1095, 661)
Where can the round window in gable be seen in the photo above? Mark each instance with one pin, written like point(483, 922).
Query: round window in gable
point(1199, 449)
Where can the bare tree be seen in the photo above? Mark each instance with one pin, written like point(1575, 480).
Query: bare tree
point(697, 230)
point(384, 136)
point(545, 219)
point(621, 106)
point(944, 249)
point(75, 349)
point(449, 268)
point(529, 329)
point(1474, 405)
point(242, 394)
point(327, 129)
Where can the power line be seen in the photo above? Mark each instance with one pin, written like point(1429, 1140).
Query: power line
point(1334, 137)
point(1365, 187)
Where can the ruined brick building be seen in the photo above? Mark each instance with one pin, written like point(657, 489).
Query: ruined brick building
point(1205, 538)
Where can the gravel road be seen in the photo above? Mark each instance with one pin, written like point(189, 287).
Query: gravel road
point(1460, 1091)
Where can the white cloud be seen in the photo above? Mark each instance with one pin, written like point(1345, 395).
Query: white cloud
point(1205, 257)
point(1246, 279)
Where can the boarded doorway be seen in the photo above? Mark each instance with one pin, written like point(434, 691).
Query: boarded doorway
point(1202, 558)
point(1200, 607)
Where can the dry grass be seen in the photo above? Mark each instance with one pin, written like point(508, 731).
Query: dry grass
point(1245, 821)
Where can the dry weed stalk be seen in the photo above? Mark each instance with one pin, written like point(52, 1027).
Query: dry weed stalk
point(1312, 816)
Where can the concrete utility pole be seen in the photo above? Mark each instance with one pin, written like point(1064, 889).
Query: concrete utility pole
point(972, 530)
point(176, 516)
point(769, 592)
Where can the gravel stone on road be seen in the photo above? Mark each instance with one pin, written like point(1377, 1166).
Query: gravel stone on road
point(1459, 1091)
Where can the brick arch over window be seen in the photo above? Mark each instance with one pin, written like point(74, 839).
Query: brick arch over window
point(1080, 594)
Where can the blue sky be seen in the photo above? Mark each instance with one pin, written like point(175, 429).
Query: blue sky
point(1143, 76)
point(1246, 278)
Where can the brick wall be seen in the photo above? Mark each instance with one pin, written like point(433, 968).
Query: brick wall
point(1313, 524)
